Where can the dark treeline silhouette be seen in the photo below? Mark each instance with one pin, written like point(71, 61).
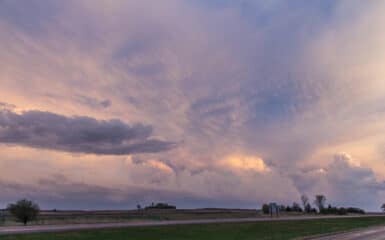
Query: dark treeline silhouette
point(319, 202)
point(295, 207)
point(160, 206)
point(341, 210)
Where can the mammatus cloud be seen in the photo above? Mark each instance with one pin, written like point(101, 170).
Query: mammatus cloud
point(47, 130)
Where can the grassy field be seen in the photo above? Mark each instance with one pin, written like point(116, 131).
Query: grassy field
point(74, 217)
point(240, 231)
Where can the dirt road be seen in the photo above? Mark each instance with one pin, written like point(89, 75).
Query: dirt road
point(375, 233)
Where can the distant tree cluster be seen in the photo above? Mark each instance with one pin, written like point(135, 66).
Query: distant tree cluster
point(160, 206)
point(295, 207)
point(319, 202)
point(341, 211)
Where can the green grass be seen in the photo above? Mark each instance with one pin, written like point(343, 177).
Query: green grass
point(230, 231)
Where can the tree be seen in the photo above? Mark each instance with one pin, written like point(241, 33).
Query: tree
point(296, 207)
point(24, 210)
point(307, 208)
point(383, 207)
point(305, 201)
point(160, 206)
point(320, 202)
point(288, 208)
point(2, 216)
point(265, 208)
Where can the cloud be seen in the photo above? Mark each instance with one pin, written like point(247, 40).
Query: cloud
point(6, 106)
point(278, 82)
point(47, 130)
point(343, 181)
point(60, 192)
point(93, 102)
point(246, 163)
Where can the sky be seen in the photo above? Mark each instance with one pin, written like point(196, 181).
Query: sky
point(106, 104)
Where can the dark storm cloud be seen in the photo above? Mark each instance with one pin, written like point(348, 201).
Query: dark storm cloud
point(77, 134)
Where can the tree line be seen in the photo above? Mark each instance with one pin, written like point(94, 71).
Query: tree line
point(320, 207)
point(157, 206)
point(25, 210)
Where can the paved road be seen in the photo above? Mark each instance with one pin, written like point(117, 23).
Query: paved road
point(74, 227)
point(375, 233)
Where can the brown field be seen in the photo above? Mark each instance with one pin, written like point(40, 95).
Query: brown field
point(111, 216)
point(74, 217)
